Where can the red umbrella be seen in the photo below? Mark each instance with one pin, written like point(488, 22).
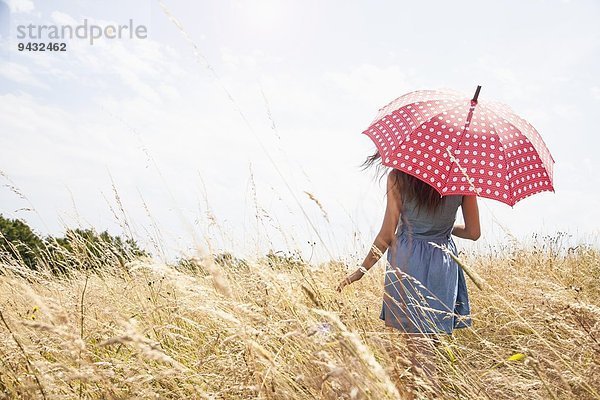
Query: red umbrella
point(463, 146)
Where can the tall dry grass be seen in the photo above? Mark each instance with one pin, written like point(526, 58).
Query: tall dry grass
point(277, 329)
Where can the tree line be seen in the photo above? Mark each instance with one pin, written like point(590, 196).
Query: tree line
point(76, 248)
point(89, 250)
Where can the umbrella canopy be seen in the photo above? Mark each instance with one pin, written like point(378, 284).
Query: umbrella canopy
point(463, 146)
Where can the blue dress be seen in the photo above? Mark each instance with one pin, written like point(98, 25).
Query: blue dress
point(424, 288)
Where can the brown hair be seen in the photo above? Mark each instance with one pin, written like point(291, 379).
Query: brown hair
point(409, 186)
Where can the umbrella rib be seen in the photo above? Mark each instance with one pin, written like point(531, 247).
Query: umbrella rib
point(430, 118)
point(527, 124)
point(453, 161)
point(423, 122)
point(495, 129)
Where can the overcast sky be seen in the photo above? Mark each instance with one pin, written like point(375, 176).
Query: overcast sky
point(257, 102)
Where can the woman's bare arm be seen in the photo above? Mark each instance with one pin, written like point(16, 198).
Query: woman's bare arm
point(470, 229)
point(390, 222)
point(386, 233)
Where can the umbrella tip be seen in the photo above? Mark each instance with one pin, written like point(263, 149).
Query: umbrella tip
point(476, 93)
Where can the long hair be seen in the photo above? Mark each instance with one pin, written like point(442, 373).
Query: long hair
point(409, 187)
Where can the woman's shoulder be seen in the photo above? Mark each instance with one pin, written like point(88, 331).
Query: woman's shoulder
point(454, 200)
point(455, 197)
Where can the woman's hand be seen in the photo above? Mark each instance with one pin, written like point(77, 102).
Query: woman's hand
point(353, 277)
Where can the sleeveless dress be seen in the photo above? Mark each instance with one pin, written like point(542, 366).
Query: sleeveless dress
point(424, 288)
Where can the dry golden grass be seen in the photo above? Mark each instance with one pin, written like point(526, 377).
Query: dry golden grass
point(281, 331)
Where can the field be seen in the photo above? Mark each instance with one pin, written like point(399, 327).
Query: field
point(276, 328)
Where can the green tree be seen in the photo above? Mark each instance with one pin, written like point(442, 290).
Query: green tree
point(87, 249)
point(223, 260)
point(76, 249)
point(17, 240)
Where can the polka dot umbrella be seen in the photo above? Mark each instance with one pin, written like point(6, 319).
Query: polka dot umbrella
point(463, 146)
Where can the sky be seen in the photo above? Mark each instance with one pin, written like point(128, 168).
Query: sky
point(238, 123)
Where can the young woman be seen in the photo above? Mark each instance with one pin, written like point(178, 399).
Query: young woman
point(425, 292)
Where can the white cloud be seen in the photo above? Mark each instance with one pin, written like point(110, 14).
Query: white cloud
point(20, 6)
point(511, 84)
point(567, 111)
point(62, 18)
point(253, 62)
point(20, 74)
point(372, 84)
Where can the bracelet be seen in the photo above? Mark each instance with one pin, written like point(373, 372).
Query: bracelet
point(363, 269)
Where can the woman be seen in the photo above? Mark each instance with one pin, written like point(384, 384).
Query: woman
point(425, 292)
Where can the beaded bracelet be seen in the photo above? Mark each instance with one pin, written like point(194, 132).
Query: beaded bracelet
point(363, 269)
